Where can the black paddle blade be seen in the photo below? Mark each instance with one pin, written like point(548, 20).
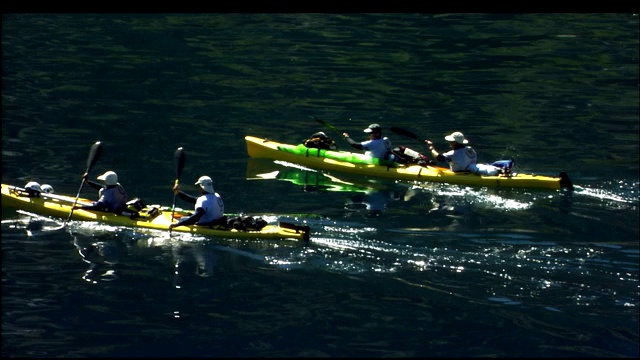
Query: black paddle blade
point(179, 158)
point(404, 132)
point(94, 155)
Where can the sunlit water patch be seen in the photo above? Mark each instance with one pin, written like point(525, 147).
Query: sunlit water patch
point(614, 194)
point(481, 197)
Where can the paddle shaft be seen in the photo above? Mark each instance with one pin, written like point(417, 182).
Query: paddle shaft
point(94, 155)
point(179, 159)
point(329, 126)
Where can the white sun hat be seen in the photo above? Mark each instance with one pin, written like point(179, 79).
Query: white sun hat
point(373, 128)
point(47, 189)
point(32, 185)
point(457, 137)
point(205, 183)
point(109, 178)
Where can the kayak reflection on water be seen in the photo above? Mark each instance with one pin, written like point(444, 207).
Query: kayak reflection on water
point(102, 257)
point(375, 202)
point(191, 258)
point(373, 195)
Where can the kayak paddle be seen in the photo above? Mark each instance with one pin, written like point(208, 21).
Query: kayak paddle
point(328, 125)
point(94, 155)
point(409, 134)
point(404, 132)
point(179, 158)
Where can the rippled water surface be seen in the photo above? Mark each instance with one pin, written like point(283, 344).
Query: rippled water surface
point(393, 269)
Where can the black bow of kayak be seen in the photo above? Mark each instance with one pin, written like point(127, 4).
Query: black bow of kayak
point(565, 181)
point(306, 230)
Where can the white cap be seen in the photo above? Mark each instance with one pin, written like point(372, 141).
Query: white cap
point(47, 189)
point(373, 128)
point(457, 137)
point(110, 178)
point(32, 185)
point(205, 183)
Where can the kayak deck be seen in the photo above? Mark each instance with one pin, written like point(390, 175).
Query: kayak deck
point(151, 217)
point(328, 160)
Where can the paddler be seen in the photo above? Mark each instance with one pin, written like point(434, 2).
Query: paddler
point(376, 146)
point(209, 207)
point(113, 197)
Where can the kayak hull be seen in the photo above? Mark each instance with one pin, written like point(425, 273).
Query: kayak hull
point(327, 160)
point(151, 217)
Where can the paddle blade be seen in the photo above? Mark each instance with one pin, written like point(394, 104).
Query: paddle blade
point(94, 155)
point(404, 132)
point(179, 158)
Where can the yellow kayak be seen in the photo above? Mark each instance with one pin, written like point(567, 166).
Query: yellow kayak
point(355, 163)
point(150, 217)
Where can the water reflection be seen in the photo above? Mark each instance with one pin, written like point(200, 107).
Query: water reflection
point(372, 195)
point(103, 253)
point(374, 201)
point(34, 224)
point(191, 258)
point(105, 248)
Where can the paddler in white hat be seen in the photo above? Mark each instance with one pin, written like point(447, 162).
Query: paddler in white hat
point(113, 197)
point(209, 207)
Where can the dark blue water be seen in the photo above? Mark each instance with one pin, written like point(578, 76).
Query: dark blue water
point(393, 269)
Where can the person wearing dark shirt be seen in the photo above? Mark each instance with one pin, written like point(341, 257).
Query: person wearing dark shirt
point(376, 146)
point(112, 196)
